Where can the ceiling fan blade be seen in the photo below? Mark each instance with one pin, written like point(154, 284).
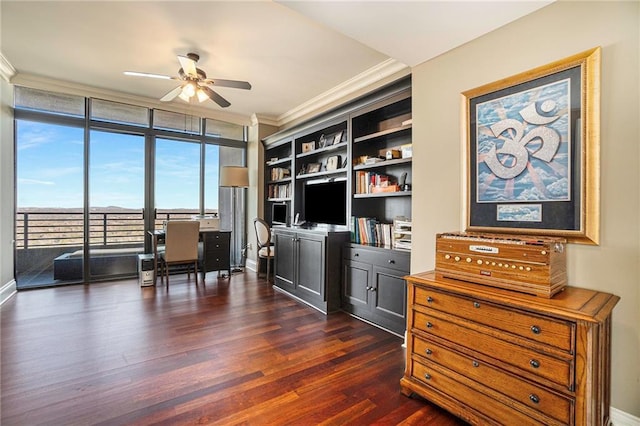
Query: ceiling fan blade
point(215, 97)
point(172, 94)
point(228, 83)
point(188, 66)
point(146, 74)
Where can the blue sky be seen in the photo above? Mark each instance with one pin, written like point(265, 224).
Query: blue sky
point(50, 167)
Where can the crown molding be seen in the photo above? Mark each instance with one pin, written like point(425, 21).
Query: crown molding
point(366, 81)
point(7, 72)
point(66, 87)
point(264, 119)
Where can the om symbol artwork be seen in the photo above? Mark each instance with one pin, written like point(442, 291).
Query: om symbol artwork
point(523, 145)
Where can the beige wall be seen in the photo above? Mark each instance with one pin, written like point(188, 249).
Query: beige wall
point(255, 200)
point(555, 32)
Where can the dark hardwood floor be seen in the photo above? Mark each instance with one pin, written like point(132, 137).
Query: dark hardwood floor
point(220, 353)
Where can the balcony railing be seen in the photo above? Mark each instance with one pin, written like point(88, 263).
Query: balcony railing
point(40, 229)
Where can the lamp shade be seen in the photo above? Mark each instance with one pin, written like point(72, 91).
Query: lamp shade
point(234, 176)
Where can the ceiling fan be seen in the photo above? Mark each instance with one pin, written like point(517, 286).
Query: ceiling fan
point(195, 84)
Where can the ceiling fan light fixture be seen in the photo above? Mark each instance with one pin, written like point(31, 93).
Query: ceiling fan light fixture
point(202, 96)
point(184, 96)
point(189, 89)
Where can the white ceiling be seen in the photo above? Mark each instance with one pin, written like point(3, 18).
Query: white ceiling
point(292, 52)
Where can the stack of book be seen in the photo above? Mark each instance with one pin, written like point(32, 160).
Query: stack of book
point(402, 234)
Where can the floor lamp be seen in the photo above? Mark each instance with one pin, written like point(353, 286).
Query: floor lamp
point(234, 177)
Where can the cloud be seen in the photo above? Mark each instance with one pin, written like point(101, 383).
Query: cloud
point(559, 189)
point(26, 181)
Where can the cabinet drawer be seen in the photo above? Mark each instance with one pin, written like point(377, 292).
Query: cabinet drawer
point(465, 395)
point(538, 398)
point(556, 333)
point(387, 258)
point(216, 249)
point(538, 364)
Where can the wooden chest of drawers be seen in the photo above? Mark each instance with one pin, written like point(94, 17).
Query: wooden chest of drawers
point(494, 356)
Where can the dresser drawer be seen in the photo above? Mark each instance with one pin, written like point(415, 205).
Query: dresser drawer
point(465, 395)
point(381, 257)
point(538, 364)
point(536, 397)
point(556, 333)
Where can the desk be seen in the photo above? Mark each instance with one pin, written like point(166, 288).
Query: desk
point(215, 256)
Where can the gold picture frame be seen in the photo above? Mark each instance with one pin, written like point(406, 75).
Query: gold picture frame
point(533, 151)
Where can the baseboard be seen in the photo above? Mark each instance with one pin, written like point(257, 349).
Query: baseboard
point(620, 418)
point(7, 290)
point(251, 265)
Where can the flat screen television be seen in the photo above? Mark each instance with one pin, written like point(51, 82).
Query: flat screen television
point(326, 202)
point(279, 213)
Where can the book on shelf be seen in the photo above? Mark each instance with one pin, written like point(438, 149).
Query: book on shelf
point(279, 191)
point(372, 182)
point(278, 173)
point(402, 234)
point(369, 231)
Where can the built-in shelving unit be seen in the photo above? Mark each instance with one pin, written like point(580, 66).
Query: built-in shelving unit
point(364, 146)
point(278, 175)
point(382, 158)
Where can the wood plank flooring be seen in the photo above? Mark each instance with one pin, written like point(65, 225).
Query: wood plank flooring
point(227, 353)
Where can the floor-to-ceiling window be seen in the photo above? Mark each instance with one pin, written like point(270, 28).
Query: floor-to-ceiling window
point(89, 188)
point(49, 202)
point(116, 202)
point(177, 179)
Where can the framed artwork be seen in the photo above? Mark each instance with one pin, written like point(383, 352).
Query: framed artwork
point(333, 162)
point(322, 142)
point(313, 167)
point(533, 151)
point(308, 146)
point(337, 138)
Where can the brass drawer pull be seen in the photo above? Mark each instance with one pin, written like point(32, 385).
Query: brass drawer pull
point(428, 351)
point(476, 364)
point(534, 398)
point(429, 299)
point(429, 325)
point(476, 305)
point(391, 261)
point(535, 329)
point(427, 376)
point(534, 363)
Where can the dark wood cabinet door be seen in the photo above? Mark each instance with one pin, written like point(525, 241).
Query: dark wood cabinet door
point(355, 286)
point(311, 266)
point(389, 300)
point(284, 263)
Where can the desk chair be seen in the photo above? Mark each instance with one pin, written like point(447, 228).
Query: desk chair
point(180, 247)
point(265, 249)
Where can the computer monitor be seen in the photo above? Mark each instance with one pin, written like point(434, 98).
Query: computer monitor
point(279, 214)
